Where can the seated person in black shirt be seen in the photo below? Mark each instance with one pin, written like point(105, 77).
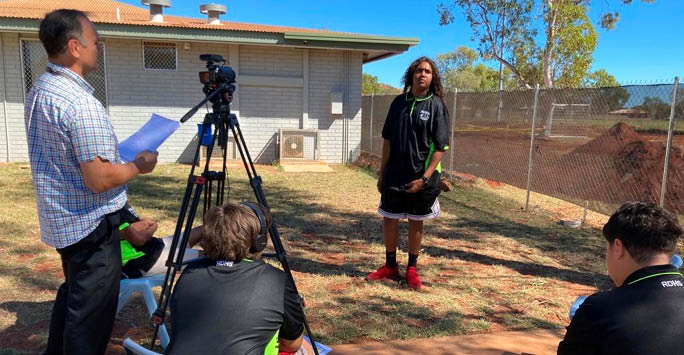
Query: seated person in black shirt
point(231, 302)
point(644, 314)
point(141, 253)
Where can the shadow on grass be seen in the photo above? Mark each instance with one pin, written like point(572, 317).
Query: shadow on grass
point(162, 193)
point(547, 239)
point(554, 241)
point(320, 229)
point(38, 274)
point(18, 247)
point(28, 335)
point(30, 278)
point(578, 277)
point(318, 268)
point(379, 317)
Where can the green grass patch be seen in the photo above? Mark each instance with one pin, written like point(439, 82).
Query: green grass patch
point(486, 264)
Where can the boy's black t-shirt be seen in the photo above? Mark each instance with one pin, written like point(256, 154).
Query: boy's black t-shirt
point(232, 309)
point(415, 127)
point(643, 316)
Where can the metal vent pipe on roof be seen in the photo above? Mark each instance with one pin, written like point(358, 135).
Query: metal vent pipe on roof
point(213, 12)
point(157, 9)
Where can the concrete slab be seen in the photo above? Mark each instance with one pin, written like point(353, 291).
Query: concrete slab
point(305, 167)
point(539, 341)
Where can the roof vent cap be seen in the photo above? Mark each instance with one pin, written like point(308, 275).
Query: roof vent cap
point(213, 12)
point(156, 9)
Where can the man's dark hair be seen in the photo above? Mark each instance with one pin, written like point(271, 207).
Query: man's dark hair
point(644, 228)
point(58, 27)
point(435, 85)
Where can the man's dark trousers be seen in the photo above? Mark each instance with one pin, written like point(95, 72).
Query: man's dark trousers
point(84, 311)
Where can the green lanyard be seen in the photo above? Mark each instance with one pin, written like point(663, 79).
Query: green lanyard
point(654, 275)
point(415, 99)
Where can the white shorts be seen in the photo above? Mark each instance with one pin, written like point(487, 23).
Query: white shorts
point(159, 266)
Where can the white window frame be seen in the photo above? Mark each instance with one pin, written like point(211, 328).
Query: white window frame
point(142, 57)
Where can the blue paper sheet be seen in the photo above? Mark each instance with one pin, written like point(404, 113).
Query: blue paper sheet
point(149, 137)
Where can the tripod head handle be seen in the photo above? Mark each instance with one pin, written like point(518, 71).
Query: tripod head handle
point(197, 107)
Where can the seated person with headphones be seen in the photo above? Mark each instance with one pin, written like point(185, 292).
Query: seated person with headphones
point(231, 302)
point(141, 253)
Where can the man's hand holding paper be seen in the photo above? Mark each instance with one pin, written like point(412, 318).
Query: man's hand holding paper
point(146, 161)
point(148, 138)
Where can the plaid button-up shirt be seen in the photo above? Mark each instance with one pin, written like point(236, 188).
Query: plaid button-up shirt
point(65, 126)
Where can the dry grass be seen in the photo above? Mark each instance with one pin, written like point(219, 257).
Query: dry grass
point(486, 264)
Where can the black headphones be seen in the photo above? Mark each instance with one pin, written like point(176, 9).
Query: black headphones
point(258, 243)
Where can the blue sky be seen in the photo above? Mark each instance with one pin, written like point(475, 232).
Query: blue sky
point(647, 44)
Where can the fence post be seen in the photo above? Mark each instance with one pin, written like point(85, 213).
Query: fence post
point(370, 153)
point(670, 131)
point(451, 147)
point(529, 162)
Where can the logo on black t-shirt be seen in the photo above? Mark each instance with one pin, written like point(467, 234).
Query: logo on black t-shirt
point(424, 115)
point(672, 283)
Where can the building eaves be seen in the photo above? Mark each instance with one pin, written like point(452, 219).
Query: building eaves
point(133, 22)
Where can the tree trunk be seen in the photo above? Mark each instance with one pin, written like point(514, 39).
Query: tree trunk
point(514, 70)
point(547, 68)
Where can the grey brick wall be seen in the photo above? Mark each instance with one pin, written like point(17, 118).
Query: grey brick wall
point(276, 61)
point(134, 94)
point(354, 106)
point(327, 75)
point(3, 131)
point(14, 97)
point(263, 110)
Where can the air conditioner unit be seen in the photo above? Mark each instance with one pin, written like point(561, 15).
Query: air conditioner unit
point(298, 144)
point(217, 153)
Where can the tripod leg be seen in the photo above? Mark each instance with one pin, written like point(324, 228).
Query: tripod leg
point(192, 195)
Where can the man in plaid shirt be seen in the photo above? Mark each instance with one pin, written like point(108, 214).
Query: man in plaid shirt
point(80, 184)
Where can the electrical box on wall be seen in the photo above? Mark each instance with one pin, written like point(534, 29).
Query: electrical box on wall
point(336, 103)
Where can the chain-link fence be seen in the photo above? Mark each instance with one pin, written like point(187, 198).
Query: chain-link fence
point(593, 147)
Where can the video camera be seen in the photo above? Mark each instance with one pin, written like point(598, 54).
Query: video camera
point(217, 76)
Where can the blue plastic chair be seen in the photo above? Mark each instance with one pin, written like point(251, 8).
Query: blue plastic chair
point(135, 348)
point(144, 285)
point(575, 305)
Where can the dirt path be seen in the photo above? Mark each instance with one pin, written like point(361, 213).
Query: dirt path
point(537, 342)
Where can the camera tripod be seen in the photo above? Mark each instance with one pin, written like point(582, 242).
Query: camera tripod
point(223, 121)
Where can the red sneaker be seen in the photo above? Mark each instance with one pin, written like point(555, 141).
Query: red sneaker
point(412, 279)
point(385, 272)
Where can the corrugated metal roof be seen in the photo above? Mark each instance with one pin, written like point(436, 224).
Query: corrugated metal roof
point(104, 11)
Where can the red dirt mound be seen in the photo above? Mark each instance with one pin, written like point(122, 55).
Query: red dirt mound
point(611, 141)
point(645, 162)
point(620, 166)
point(366, 160)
